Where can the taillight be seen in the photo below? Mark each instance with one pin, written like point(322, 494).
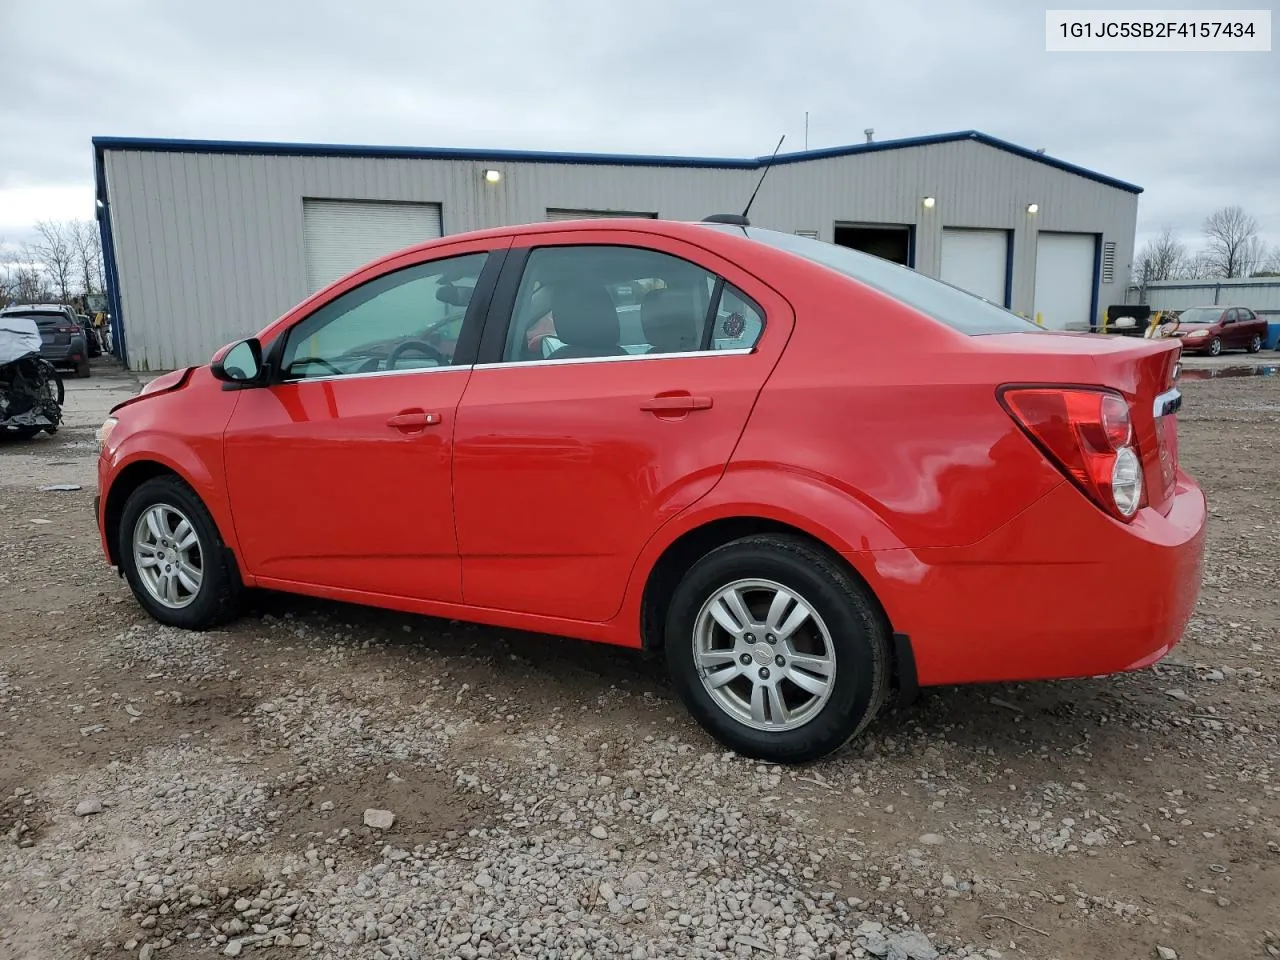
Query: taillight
point(68, 329)
point(1088, 434)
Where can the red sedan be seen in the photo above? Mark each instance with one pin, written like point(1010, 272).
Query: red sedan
point(806, 474)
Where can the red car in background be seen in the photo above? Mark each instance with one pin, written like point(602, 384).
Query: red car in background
point(806, 474)
point(1210, 330)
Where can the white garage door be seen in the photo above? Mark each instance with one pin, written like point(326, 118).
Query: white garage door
point(340, 235)
point(977, 261)
point(1064, 280)
point(558, 213)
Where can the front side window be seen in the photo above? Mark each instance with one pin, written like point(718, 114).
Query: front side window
point(586, 302)
point(405, 320)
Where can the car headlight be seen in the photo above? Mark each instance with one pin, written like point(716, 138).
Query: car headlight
point(1198, 333)
point(104, 432)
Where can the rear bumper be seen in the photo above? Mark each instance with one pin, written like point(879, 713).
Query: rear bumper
point(1061, 591)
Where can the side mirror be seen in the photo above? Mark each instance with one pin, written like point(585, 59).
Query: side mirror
point(241, 362)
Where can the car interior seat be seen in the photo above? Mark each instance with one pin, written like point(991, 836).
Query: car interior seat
point(586, 321)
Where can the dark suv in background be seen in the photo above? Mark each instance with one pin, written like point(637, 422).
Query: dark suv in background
point(63, 342)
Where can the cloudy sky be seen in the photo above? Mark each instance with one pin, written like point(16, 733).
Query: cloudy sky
point(721, 77)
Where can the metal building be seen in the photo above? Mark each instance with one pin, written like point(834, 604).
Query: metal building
point(1260, 294)
point(208, 241)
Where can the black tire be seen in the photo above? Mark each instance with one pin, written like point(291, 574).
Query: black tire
point(859, 637)
point(1215, 347)
point(220, 595)
point(82, 369)
point(1255, 345)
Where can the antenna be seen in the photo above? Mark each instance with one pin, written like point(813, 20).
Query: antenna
point(762, 176)
point(806, 129)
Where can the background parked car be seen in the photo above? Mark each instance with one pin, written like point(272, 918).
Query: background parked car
point(63, 340)
point(1213, 329)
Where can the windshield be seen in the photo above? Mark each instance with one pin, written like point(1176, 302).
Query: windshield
point(1200, 315)
point(957, 308)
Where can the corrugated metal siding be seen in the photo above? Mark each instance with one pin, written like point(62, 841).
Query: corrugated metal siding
point(1261, 294)
point(210, 247)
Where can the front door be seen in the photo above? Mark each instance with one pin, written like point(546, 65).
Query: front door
point(614, 399)
point(339, 472)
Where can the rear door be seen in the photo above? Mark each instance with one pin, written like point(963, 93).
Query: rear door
point(1252, 325)
point(617, 373)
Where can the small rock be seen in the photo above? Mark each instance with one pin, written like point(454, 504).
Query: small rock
point(1178, 694)
point(1166, 954)
point(933, 839)
point(88, 807)
point(379, 819)
point(659, 815)
point(301, 940)
point(147, 952)
point(599, 832)
point(326, 806)
point(242, 905)
point(233, 948)
point(911, 946)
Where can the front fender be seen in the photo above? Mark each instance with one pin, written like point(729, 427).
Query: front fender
point(198, 463)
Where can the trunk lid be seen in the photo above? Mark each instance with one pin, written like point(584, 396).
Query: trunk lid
point(1143, 370)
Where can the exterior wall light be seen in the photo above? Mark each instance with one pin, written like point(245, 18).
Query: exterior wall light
point(492, 176)
point(1033, 208)
point(929, 202)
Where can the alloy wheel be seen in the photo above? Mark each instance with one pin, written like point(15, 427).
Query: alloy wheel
point(764, 655)
point(168, 555)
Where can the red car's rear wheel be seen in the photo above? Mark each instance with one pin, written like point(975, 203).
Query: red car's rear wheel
point(777, 650)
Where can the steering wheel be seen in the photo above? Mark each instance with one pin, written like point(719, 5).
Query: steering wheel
point(424, 348)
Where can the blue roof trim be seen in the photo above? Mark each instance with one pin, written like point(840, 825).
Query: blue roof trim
point(254, 147)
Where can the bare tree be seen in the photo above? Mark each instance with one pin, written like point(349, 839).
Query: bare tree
point(22, 280)
point(1234, 247)
point(86, 242)
point(1271, 265)
point(1164, 258)
point(55, 252)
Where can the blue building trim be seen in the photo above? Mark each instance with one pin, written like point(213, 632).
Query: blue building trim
point(110, 271)
point(259, 148)
point(1008, 269)
point(1097, 281)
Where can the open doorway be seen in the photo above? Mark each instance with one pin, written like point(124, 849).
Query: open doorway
point(889, 241)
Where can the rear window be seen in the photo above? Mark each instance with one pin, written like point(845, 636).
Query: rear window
point(957, 308)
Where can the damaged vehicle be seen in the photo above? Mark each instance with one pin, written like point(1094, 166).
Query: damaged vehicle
point(31, 392)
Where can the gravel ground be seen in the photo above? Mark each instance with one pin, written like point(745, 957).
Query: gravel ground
point(324, 780)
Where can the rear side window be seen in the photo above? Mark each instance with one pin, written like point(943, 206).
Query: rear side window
point(597, 301)
point(957, 308)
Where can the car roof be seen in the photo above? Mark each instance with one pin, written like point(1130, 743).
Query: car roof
point(36, 308)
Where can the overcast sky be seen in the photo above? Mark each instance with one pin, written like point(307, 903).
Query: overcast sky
point(726, 78)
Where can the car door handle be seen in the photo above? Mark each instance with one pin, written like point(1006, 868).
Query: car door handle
point(679, 403)
point(413, 419)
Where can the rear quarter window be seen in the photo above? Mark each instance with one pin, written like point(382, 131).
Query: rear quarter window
point(958, 309)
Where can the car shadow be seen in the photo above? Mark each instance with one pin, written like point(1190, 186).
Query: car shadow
point(1011, 719)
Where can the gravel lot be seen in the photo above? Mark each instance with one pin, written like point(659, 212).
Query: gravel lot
point(323, 780)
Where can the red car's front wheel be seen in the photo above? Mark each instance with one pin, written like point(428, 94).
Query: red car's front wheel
point(171, 553)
